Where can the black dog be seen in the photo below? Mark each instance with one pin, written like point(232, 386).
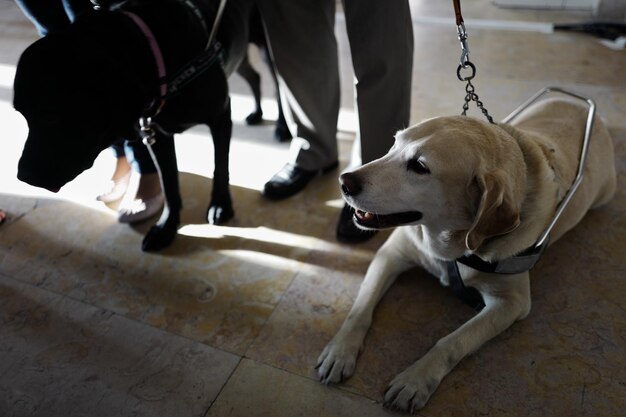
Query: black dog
point(83, 89)
point(253, 78)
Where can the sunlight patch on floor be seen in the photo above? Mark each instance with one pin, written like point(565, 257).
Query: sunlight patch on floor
point(264, 234)
point(7, 75)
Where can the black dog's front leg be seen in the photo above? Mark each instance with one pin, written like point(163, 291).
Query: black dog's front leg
point(164, 231)
point(221, 207)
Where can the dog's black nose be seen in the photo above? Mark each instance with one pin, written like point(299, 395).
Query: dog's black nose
point(350, 184)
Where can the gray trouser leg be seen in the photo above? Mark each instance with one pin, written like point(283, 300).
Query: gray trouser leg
point(304, 49)
point(381, 41)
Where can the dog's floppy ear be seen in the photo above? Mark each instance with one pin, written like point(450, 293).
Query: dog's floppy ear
point(498, 212)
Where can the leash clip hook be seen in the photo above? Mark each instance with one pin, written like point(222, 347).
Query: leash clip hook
point(147, 131)
point(462, 36)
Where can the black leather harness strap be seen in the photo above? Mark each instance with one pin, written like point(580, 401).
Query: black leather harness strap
point(468, 295)
point(212, 53)
point(515, 264)
point(195, 68)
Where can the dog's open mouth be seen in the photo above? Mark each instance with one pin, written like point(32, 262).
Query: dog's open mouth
point(381, 221)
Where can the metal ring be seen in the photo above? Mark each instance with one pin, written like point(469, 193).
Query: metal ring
point(461, 67)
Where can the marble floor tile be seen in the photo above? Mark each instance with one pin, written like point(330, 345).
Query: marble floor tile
point(206, 293)
point(256, 390)
point(64, 358)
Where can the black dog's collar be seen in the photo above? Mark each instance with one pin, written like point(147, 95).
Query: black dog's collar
point(522, 262)
point(157, 104)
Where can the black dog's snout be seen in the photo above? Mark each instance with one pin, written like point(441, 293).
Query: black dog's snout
point(350, 184)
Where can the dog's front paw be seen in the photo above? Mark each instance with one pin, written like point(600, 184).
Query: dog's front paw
point(255, 118)
point(219, 214)
point(282, 133)
point(337, 361)
point(159, 237)
point(411, 389)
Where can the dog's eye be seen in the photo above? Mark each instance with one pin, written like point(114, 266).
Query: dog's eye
point(417, 166)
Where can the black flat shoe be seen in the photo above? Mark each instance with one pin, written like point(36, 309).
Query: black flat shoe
point(348, 232)
point(290, 180)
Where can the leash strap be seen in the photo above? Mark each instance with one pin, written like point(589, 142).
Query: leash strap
point(212, 53)
point(197, 12)
point(216, 24)
point(457, 12)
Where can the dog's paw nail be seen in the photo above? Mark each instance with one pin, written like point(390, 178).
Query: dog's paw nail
point(219, 214)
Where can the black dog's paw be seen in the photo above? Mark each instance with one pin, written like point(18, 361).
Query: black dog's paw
point(219, 213)
point(159, 237)
point(255, 118)
point(282, 133)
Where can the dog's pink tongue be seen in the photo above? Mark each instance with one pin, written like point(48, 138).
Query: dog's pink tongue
point(364, 215)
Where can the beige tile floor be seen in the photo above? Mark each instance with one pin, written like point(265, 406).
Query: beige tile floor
point(230, 320)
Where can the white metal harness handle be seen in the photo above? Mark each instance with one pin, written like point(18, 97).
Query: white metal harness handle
point(583, 152)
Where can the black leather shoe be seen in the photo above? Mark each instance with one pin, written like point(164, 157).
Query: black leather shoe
point(348, 232)
point(290, 180)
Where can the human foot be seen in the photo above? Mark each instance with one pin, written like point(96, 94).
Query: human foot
point(118, 184)
point(143, 198)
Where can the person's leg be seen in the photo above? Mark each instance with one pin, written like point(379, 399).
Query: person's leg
point(117, 185)
point(143, 197)
point(122, 166)
point(381, 43)
point(47, 15)
point(303, 46)
point(142, 164)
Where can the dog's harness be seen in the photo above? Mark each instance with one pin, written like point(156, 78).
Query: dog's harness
point(515, 264)
point(525, 260)
point(213, 53)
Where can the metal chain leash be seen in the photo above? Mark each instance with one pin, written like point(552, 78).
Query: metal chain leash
point(472, 96)
point(465, 63)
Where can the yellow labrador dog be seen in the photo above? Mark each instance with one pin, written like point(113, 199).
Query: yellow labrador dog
point(459, 186)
